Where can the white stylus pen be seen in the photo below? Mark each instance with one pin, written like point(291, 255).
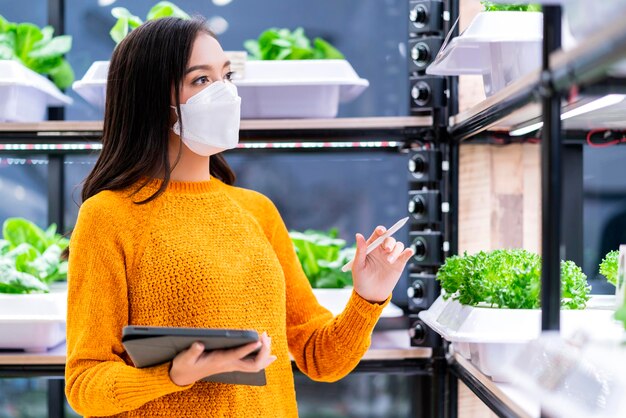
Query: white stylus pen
point(378, 241)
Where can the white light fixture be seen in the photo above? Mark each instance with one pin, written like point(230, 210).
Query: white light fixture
point(526, 129)
point(601, 103)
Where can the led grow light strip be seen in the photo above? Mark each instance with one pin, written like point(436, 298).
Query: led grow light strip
point(49, 147)
point(308, 145)
point(244, 145)
point(601, 103)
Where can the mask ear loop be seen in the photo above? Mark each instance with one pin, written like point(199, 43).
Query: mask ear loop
point(179, 120)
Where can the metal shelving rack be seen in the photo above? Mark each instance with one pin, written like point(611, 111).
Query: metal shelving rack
point(57, 139)
point(584, 69)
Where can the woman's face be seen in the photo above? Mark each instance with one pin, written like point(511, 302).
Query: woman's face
point(208, 63)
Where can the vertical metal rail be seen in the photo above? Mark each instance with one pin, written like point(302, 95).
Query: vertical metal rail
point(56, 19)
point(572, 203)
point(452, 382)
point(551, 176)
point(56, 191)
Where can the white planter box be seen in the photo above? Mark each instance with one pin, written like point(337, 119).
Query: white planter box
point(573, 380)
point(32, 322)
point(504, 46)
point(297, 89)
point(491, 338)
point(335, 300)
point(26, 95)
point(500, 46)
point(270, 89)
point(92, 87)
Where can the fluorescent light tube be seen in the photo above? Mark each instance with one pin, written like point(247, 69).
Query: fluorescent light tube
point(601, 103)
point(526, 129)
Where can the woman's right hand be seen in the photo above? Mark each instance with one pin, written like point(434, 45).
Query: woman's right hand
point(194, 364)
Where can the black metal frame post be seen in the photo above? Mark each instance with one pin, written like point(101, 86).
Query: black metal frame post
point(56, 191)
point(551, 177)
point(56, 19)
point(451, 384)
point(56, 214)
point(572, 202)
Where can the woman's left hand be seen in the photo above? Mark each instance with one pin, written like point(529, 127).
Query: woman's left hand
point(374, 275)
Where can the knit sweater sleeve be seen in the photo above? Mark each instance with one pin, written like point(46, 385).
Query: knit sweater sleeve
point(98, 381)
point(325, 348)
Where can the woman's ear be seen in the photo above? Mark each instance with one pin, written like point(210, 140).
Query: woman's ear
point(173, 115)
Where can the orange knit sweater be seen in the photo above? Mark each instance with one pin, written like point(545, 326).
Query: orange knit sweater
point(203, 254)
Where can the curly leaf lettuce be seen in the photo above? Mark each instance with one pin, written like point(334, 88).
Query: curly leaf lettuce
point(507, 279)
point(491, 6)
point(608, 267)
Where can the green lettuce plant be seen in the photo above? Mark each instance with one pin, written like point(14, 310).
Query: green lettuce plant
point(322, 255)
point(608, 267)
point(282, 44)
point(30, 258)
point(38, 49)
point(620, 315)
point(508, 279)
point(126, 21)
point(491, 6)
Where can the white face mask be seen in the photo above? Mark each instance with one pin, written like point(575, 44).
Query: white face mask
point(211, 119)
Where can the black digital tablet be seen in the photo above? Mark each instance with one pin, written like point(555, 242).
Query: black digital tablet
point(149, 346)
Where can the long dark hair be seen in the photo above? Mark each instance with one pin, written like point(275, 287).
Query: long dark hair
point(143, 69)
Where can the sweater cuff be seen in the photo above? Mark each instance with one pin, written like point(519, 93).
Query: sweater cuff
point(153, 383)
point(358, 319)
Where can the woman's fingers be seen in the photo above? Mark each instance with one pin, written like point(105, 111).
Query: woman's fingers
point(361, 252)
point(377, 233)
point(405, 256)
point(193, 353)
point(246, 350)
point(397, 250)
point(263, 358)
point(389, 244)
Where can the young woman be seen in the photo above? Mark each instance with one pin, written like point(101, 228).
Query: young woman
point(163, 238)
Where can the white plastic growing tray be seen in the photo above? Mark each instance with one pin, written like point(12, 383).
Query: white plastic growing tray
point(269, 89)
point(335, 300)
point(92, 87)
point(32, 322)
point(26, 95)
point(297, 89)
point(491, 338)
point(579, 379)
point(500, 46)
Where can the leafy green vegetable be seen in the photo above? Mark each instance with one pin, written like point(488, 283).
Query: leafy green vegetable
point(282, 44)
point(166, 9)
point(30, 258)
point(322, 255)
point(38, 49)
point(608, 267)
point(507, 279)
point(126, 21)
point(620, 315)
point(491, 6)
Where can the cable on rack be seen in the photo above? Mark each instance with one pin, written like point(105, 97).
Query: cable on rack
point(609, 138)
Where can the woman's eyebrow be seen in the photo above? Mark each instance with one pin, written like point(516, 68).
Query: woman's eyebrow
point(204, 67)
